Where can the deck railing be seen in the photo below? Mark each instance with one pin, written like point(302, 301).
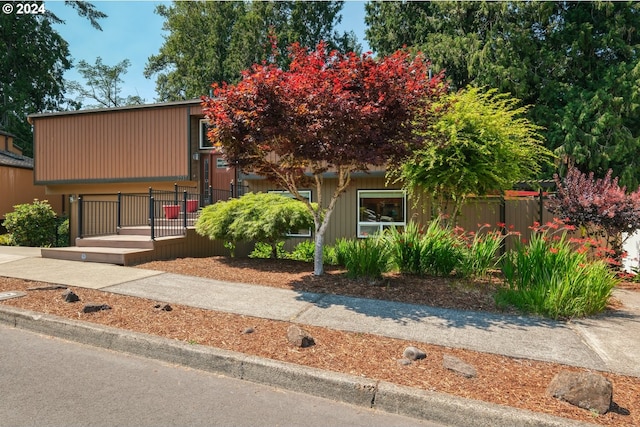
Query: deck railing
point(167, 213)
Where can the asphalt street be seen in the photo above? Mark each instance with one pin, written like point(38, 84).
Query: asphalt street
point(53, 382)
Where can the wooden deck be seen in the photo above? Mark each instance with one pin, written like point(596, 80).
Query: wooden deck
point(134, 246)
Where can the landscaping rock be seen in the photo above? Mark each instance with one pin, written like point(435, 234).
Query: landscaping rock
point(248, 331)
point(92, 308)
point(456, 365)
point(70, 296)
point(583, 389)
point(163, 307)
point(299, 337)
point(413, 353)
point(404, 362)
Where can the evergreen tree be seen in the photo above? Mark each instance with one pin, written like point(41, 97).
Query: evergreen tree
point(214, 41)
point(576, 63)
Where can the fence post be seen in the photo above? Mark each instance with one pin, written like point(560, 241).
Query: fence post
point(503, 220)
point(152, 215)
point(119, 213)
point(541, 206)
point(175, 193)
point(210, 194)
point(184, 210)
point(80, 217)
point(231, 192)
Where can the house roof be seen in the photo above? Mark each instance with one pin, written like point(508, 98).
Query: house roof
point(8, 158)
point(125, 108)
point(4, 133)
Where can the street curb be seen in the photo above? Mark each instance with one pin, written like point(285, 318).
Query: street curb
point(361, 391)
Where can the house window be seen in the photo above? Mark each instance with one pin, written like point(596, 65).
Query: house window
point(205, 144)
point(380, 209)
point(307, 195)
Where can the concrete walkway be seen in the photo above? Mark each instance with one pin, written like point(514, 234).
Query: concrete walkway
point(608, 343)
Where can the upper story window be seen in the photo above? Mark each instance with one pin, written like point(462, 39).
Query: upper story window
point(204, 144)
point(380, 209)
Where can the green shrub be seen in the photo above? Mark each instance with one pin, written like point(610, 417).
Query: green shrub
point(259, 217)
point(304, 251)
point(368, 257)
point(32, 224)
point(340, 251)
point(265, 250)
point(5, 240)
point(62, 238)
point(550, 277)
point(480, 254)
point(442, 251)
point(435, 251)
point(407, 248)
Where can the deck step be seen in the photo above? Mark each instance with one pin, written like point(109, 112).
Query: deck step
point(118, 256)
point(116, 241)
point(161, 229)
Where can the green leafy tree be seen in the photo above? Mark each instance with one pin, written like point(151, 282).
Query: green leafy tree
point(575, 63)
point(33, 59)
point(481, 144)
point(329, 113)
point(259, 217)
point(195, 49)
point(214, 41)
point(103, 84)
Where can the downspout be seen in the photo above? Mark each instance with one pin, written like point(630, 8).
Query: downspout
point(33, 148)
point(189, 159)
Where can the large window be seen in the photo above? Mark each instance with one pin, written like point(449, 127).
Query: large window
point(307, 195)
point(205, 144)
point(380, 209)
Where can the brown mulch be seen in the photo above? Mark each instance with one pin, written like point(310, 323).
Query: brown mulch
point(518, 383)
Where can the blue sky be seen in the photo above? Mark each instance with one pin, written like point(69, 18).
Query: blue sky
point(133, 31)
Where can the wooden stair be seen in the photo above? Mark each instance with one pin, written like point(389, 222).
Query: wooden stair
point(132, 245)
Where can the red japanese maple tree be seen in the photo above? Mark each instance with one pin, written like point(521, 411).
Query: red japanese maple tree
point(329, 115)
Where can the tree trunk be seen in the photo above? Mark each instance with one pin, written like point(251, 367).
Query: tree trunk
point(318, 265)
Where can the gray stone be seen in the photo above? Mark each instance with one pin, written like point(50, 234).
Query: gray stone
point(163, 307)
point(456, 365)
point(248, 330)
point(299, 337)
point(404, 362)
point(92, 308)
point(413, 353)
point(583, 389)
point(70, 296)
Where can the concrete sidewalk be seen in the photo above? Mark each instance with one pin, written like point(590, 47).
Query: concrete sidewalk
point(607, 343)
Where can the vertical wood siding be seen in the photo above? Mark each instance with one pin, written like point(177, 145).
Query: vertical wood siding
point(136, 144)
point(520, 213)
point(16, 188)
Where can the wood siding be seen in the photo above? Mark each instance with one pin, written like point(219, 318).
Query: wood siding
point(520, 213)
point(16, 187)
point(140, 144)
